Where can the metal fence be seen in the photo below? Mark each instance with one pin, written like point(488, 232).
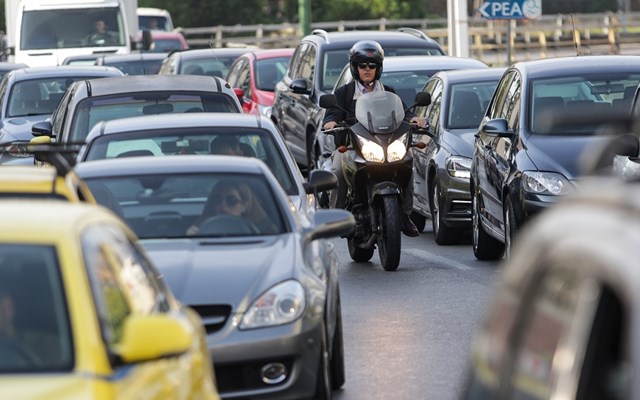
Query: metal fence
point(549, 36)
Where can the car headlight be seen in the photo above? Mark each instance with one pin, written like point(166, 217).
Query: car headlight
point(459, 167)
point(371, 151)
point(16, 149)
point(545, 183)
point(282, 304)
point(264, 110)
point(397, 150)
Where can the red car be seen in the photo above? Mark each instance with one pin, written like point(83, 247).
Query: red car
point(165, 42)
point(253, 76)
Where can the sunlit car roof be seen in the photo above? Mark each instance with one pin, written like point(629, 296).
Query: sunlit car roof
point(571, 66)
point(31, 181)
point(154, 83)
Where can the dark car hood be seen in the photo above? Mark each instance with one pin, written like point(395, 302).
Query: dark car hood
point(201, 271)
point(561, 153)
point(460, 141)
point(19, 128)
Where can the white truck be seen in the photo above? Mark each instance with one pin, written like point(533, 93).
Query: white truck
point(45, 32)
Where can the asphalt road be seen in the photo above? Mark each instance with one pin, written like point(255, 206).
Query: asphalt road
point(407, 333)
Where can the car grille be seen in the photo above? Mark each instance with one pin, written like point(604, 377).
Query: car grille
point(213, 316)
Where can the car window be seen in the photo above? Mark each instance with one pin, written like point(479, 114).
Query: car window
point(500, 95)
point(269, 72)
point(467, 103)
point(307, 66)
point(434, 109)
point(61, 112)
point(168, 206)
point(137, 67)
point(234, 71)
point(297, 60)
point(92, 110)
point(35, 336)
point(257, 143)
point(3, 94)
point(215, 65)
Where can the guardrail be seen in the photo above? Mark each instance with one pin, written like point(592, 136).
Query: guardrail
point(551, 35)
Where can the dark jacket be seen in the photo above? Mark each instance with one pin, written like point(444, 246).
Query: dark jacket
point(345, 101)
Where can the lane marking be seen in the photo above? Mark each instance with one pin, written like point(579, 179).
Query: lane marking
point(436, 258)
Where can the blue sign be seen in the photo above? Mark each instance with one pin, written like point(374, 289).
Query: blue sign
point(511, 9)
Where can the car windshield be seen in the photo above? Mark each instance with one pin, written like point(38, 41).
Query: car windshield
point(212, 66)
point(154, 22)
point(68, 28)
point(257, 143)
point(335, 60)
point(38, 97)
point(574, 97)
point(270, 71)
point(468, 102)
point(165, 45)
point(34, 324)
point(186, 205)
point(95, 109)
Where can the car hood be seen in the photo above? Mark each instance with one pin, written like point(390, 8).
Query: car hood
point(228, 271)
point(19, 128)
point(53, 386)
point(460, 141)
point(561, 153)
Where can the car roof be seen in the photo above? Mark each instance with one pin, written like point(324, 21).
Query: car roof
point(404, 63)
point(567, 66)
point(262, 54)
point(8, 66)
point(133, 57)
point(26, 179)
point(208, 53)
point(149, 165)
point(154, 83)
point(471, 75)
point(176, 121)
point(23, 220)
point(388, 38)
point(64, 71)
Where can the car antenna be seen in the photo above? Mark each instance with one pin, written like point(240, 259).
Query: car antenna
point(213, 51)
point(575, 40)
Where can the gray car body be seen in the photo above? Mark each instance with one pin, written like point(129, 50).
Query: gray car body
point(19, 128)
point(246, 268)
point(128, 126)
point(443, 142)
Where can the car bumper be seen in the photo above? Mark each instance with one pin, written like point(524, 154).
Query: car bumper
point(533, 204)
point(457, 199)
point(240, 355)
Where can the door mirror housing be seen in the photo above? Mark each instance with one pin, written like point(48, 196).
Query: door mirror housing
point(497, 127)
point(42, 128)
point(300, 86)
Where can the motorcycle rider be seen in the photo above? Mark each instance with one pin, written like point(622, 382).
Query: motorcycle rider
point(365, 62)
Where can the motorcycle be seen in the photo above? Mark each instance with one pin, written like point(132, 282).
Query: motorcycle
point(377, 163)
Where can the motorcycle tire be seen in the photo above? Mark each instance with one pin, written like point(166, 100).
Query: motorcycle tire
point(358, 254)
point(389, 238)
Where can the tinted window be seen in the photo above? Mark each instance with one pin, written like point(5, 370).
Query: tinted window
point(34, 324)
point(136, 67)
point(38, 97)
point(215, 65)
point(269, 72)
point(468, 102)
point(95, 109)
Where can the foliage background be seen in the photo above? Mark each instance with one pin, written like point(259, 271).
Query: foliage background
point(201, 13)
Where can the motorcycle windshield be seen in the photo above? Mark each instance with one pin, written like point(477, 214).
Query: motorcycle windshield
point(380, 111)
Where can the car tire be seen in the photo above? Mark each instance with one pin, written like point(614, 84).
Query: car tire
point(337, 350)
point(323, 377)
point(419, 220)
point(510, 227)
point(442, 234)
point(485, 247)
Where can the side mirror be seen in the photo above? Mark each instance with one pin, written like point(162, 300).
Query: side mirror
point(331, 223)
point(320, 181)
point(147, 40)
point(299, 86)
point(328, 100)
point(497, 127)
point(42, 128)
point(240, 93)
point(423, 99)
point(151, 337)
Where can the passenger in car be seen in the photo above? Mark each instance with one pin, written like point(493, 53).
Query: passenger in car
point(226, 145)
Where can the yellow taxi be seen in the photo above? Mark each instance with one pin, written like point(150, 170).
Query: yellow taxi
point(85, 315)
point(45, 181)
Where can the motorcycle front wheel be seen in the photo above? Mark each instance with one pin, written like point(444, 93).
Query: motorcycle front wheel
point(389, 232)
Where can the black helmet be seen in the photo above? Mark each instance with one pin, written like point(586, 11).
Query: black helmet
point(366, 51)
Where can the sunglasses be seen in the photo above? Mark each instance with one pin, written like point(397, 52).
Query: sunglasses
point(229, 200)
point(364, 65)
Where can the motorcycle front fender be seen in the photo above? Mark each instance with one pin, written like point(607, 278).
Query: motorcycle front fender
point(384, 189)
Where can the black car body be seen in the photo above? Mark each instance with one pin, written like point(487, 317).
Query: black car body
point(521, 162)
point(313, 71)
point(134, 63)
point(211, 62)
point(30, 95)
point(90, 101)
point(459, 99)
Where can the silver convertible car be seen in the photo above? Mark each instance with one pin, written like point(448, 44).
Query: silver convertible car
point(230, 244)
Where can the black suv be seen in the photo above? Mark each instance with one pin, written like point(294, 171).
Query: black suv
point(313, 71)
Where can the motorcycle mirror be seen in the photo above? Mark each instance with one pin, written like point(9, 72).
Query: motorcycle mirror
point(328, 101)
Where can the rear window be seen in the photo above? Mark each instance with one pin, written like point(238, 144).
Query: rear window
point(96, 109)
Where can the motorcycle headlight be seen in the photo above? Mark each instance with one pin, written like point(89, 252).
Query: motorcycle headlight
point(545, 183)
point(371, 151)
point(459, 167)
point(397, 150)
point(282, 304)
